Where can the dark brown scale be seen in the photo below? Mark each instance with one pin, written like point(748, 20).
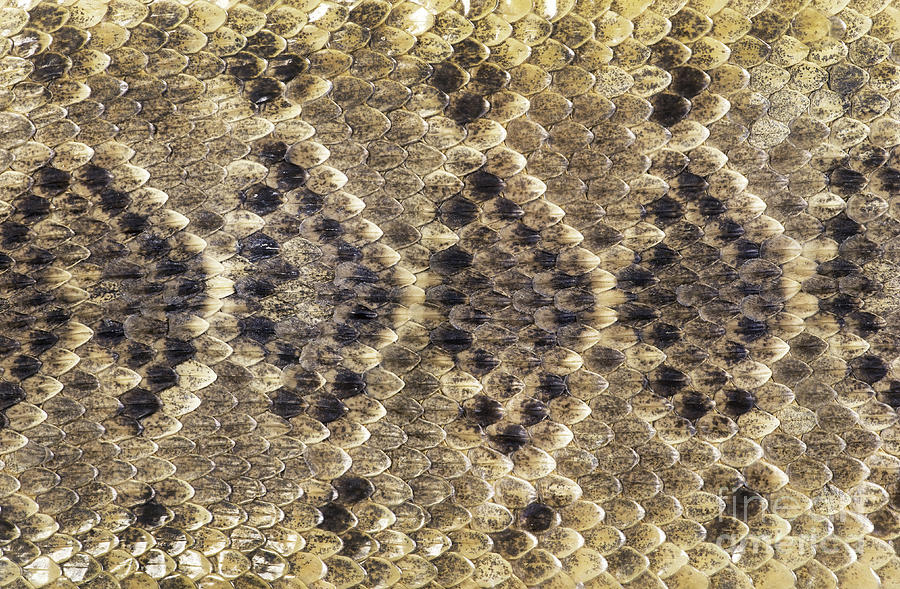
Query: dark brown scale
point(447, 77)
point(465, 108)
point(286, 67)
point(669, 109)
point(139, 403)
point(868, 368)
point(151, 514)
point(50, 66)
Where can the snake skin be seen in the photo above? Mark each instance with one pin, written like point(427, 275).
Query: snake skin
point(569, 294)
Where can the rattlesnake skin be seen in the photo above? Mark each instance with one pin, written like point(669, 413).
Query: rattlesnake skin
point(479, 293)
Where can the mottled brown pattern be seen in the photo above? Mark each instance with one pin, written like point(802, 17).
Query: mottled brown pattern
point(568, 294)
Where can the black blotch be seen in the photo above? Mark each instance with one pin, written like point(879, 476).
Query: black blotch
point(469, 53)
point(262, 90)
point(545, 259)
point(187, 288)
point(139, 403)
point(168, 268)
point(561, 281)
point(484, 411)
point(735, 352)
point(889, 179)
point(152, 246)
point(694, 406)
point(288, 404)
point(511, 543)
point(33, 207)
point(258, 328)
point(348, 253)
point(451, 261)
point(38, 299)
point(39, 257)
point(160, 378)
point(286, 354)
point(363, 276)
point(490, 78)
point(507, 210)
point(538, 517)
point(451, 339)
point(139, 355)
point(688, 81)
point(690, 186)
point(11, 394)
point(329, 229)
point(8, 345)
point(847, 180)
point(290, 176)
point(868, 368)
point(637, 313)
point(6, 262)
point(667, 381)
point(262, 199)
point(840, 305)
point(845, 78)
point(362, 313)
point(245, 66)
point(357, 546)
point(744, 503)
point(483, 362)
point(634, 277)
point(664, 335)
point(49, 66)
point(729, 230)
point(465, 108)
point(94, 177)
point(552, 386)
point(711, 207)
point(259, 288)
point(25, 366)
point(14, 234)
point(666, 209)
point(179, 351)
point(456, 212)
point(133, 223)
point(669, 109)
point(669, 53)
point(287, 66)
point(259, 246)
point(739, 401)
point(57, 317)
point(109, 332)
point(511, 438)
point(114, 202)
point(747, 250)
point(837, 268)
point(866, 323)
point(348, 384)
point(750, 329)
point(151, 514)
point(326, 408)
point(447, 77)
point(533, 411)
point(661, 256)
point(18, 281)
point(51, 181)
point(336, 518)
point(352, 489)
point(892, 395)
point(486, 183)
point(448, 296)
point(41, 341)
point(272, 152)
point(524, 236)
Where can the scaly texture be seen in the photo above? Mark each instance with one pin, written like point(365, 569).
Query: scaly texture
point(489, 293)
